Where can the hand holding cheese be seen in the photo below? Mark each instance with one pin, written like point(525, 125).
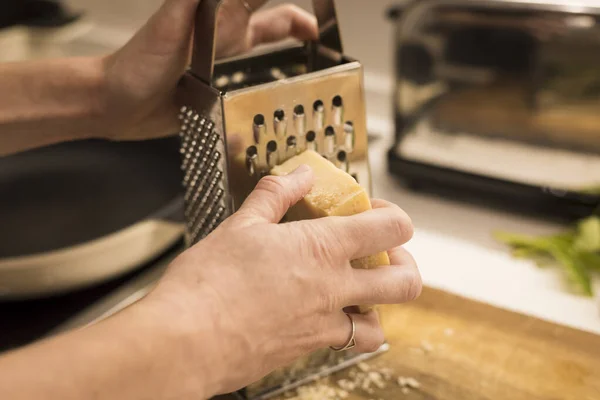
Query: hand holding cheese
point(334, 193)
point(253, 296)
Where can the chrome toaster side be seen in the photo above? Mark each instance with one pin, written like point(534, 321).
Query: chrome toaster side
point(500, 98)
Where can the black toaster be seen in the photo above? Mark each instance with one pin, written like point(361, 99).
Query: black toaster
point(499, 100)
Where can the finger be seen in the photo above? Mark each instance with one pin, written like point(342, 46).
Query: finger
point(380, 203)
point(399, 283)
point(367, 233)
point(282, 22)
point(274, 195)
point(368, 333)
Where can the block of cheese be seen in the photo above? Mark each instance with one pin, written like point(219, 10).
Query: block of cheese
point(334, 193)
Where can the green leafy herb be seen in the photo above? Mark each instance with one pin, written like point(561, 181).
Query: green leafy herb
point(588, 238)
point(577, 251)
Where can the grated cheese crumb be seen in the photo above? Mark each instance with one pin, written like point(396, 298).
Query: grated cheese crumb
point(417, 350)
point(363, 367)
point(426, 346)
point(346, 384)
point(376, 378)
point(413, 383)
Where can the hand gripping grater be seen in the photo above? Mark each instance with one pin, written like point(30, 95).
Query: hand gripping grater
point(244, 115)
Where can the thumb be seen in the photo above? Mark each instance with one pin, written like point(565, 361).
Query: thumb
point(274, 195)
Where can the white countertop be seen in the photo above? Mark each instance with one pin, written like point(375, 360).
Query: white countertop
point(456, 252)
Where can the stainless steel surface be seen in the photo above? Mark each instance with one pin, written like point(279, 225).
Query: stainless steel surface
point(279, 123)
point(203, 160)
point(329, 33)
point(205, 41)
point(242, 106)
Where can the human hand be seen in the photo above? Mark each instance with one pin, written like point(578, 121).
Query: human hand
point(141, 78)
point(256, 294)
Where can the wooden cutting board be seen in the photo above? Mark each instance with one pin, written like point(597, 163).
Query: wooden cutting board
point(458, 349)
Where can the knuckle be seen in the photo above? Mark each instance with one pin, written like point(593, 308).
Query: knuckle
point(413, 286)
point(290, 9)
point(272, 184)
point(376, 339)
point(324, 242)
point(401, 225)
point(329, 299)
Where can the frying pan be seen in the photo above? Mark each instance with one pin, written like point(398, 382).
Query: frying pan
point(78, 213)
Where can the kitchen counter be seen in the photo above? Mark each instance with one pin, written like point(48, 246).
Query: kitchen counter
point(454, 248)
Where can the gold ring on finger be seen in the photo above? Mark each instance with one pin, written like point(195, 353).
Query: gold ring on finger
point(352, 341)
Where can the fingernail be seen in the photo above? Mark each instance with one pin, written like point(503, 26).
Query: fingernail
point(302, 169)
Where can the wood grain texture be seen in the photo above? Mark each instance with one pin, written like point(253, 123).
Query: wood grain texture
point(479, 352)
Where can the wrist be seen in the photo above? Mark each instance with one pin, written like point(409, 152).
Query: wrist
point(84, 96)
point(98, 105)
point(194, 343)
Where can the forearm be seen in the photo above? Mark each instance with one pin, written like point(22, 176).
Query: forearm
point(50, 101)
point(133, 355)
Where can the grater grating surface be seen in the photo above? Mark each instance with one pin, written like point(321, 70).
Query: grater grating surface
point(202, 165)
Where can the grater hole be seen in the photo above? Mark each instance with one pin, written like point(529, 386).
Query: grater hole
point(252, 151)
point(329, 131)
point(299, 109)
point(291, 141)
point(279, 115)
point(337, 101)
point(259, 120)
point(272, 156)
point(318, 106)
point(311, 136)
point(349, 136)
point(342, 156)
point(272, 146)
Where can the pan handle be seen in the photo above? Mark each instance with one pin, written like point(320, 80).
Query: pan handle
point(205, 32)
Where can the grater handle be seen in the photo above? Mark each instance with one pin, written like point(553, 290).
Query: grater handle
point(205, 32)
point(205, 40)
point(329, 27)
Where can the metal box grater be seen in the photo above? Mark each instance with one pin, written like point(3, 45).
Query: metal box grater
point(244, 115)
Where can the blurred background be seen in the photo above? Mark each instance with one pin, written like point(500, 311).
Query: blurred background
point(484, 127)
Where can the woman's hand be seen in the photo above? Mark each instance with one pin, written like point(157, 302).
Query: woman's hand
point(141, 78)
point(273, 292)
